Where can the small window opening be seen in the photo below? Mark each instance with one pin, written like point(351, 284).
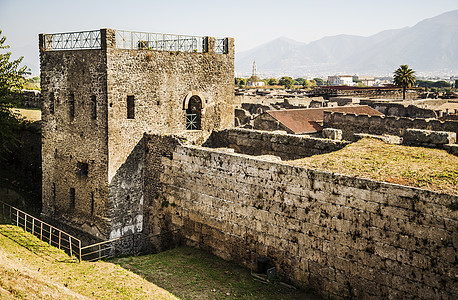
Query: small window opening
point(54, 195)
point(72, 198)
point(92, 203)
point(54, 192)
point(193, 114)
point(130, 107)
point(51, 103)
point(72, 106)
point(94, 107)
point(83, 168)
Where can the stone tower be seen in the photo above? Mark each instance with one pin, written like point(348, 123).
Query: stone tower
point(102, 91)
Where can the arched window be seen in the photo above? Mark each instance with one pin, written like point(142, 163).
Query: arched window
point(194, 113)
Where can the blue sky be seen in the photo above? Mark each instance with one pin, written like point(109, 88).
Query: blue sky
point(251, 23)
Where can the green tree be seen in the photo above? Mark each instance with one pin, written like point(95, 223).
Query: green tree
point(286, 81)
point(300, 81)
point(319, 81)
point(11, 80)
point(240, 81)
point(273, 81)
point(405, 78)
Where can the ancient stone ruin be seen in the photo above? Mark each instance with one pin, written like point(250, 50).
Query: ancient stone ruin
point(102, 91)
point(137, 138)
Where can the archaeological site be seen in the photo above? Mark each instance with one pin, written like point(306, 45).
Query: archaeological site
point(142, 134)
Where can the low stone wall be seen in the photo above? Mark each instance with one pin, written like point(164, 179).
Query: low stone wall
point(28, 98)
point(428, 138)
point(286, 146)
point(401, 110)
point(351, 124)
point(343, 236)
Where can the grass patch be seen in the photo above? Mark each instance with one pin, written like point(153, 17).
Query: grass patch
point(30, 114)
point(426, 168)
point(191, 273)
point(31, 269)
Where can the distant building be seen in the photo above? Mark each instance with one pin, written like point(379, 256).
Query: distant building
point(254, 80)
point(365, 80)
point(340, 80)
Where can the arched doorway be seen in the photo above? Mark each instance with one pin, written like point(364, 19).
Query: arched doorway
point(194, 113)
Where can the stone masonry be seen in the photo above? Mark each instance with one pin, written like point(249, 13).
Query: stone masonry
point(343, 236)
point(99, 102)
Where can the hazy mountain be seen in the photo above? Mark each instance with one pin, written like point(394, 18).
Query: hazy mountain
point(431, 46)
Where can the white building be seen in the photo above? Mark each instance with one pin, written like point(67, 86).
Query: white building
point(254, 80)
point(365, 80)
point(340, 80)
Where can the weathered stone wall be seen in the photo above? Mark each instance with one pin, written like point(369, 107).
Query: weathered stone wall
point(351, 124)
point(342, 236)
point(160, 81)
point(268, 123)
point(286, 146)
point(75, 150)
point(401, 110)
point(157, 222)
point(28, 98)
point(92, 166)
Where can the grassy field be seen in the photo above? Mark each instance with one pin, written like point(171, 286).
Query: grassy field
point(30, 269)
point(431, 169)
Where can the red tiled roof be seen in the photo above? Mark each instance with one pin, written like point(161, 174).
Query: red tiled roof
point(307, 120)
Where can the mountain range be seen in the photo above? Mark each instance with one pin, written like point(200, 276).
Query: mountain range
point(430, 47)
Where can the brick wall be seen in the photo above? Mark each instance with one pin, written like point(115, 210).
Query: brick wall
point(343, 236)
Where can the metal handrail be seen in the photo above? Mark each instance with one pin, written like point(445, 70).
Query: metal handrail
point(110, 248)
point(43, 230)
point(62, 240)
point(158, 41)
point(73, 40)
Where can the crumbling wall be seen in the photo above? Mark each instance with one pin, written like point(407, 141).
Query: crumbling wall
point(379, 125)
point(343, 236)
point(286, 146)
point(401, 110)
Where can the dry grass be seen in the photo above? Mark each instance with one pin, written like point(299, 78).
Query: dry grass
point(30, 114)
point(430, 169)
point(31, 269)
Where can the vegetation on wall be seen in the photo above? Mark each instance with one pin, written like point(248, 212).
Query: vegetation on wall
point(431, 169)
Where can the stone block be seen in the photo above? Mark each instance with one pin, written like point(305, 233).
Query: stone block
point(332, 133)
point(421, 137)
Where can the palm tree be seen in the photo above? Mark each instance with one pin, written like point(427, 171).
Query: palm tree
point(404, 77)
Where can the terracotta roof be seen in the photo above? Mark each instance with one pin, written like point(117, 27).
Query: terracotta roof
point(308, 120)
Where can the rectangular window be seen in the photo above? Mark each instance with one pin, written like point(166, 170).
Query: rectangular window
point(92, 203)
point(71, 101)
point(83, 168)
point(54, 193)
point(51, 103)
point(94, 107)
point(72, 198)
point(130, 107)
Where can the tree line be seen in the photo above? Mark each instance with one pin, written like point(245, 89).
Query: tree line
point(285, 81)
